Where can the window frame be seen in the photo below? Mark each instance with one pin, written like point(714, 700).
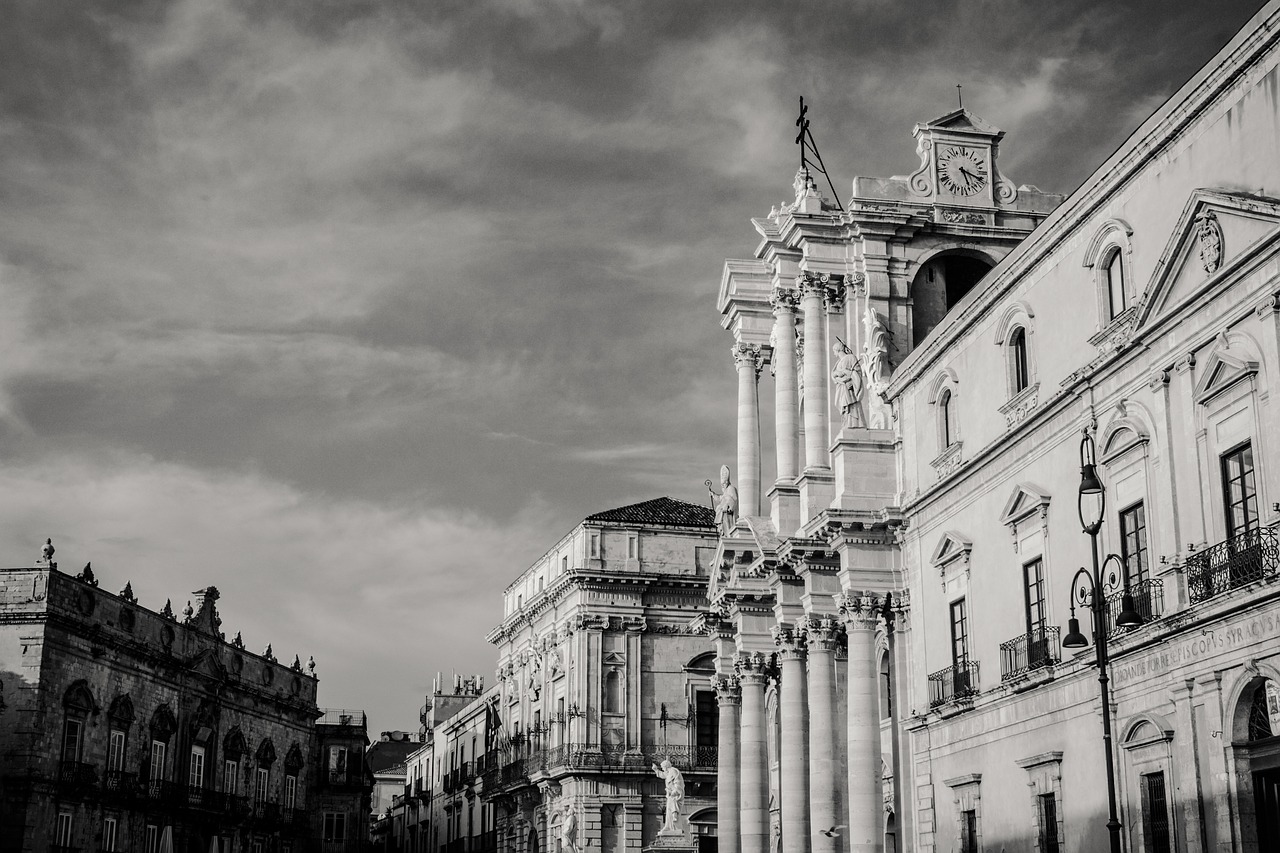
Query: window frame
point(1113, 260)
point(1035, 586)
point(1019, 361)
point(117, 748)
point(946, 420)
point(1132, 522)
point(959, 642)
point(64, 829)
point(196, 766)
point(110, 833)
point(1248, 502)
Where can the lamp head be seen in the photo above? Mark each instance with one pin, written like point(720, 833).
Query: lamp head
point(1074, 639)
point(1128, 617)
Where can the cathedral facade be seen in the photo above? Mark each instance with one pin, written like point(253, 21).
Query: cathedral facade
point(966, 378)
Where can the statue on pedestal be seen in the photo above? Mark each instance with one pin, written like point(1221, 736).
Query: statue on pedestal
point(674, 824)
point(847, 375)
point(568, 827)
point(725, 502)
point(875, 365)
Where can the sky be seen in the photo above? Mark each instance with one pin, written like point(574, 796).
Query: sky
point(353, 309)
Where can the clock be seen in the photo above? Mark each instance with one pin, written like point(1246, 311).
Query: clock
point(961, 170)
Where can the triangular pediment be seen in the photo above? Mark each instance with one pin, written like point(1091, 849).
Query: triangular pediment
point(206, 663)
point(615, 659)
point(1216, 229)
point(1025, 500)
point(952, 546)
point(962, 120)
point(1224, 368)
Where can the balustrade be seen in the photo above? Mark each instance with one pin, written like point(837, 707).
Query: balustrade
point(954, 683)
point(1148, 601)
point(1029, 652)
point(1249, 556)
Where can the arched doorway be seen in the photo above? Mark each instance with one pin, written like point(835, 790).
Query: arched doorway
point(940, 283)
point(703, 824)
point(1256, 742)
point(531, 841)
point(891, 833)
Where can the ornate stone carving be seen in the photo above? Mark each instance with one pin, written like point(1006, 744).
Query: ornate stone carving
point(784, 299)
point(822, 632)
point(753, 667)
point(1017, 409)
point(860, 611)
point(919, 180)
point(674, 822)
point(748, 355)
point(1209, 237)
point(791, 641)
point(961, 217)
point(948, 460)
point(725, 502)
point(848, 379)
point(727, 689)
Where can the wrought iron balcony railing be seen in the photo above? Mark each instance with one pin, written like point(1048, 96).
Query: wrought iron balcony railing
point(120, 784)
point(1148, 601)
point(1029, 652)
point(1249, 556)
point(77, 774)
point(954, 683)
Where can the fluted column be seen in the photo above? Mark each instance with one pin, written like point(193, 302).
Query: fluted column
point(823, 635)
point(794, 757)
point(728, 779)
point(786, 400)
point(813, 290)
point(753, 801)
point(861, 613)
point(749, 360)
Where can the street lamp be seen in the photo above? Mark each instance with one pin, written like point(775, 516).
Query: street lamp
point(1091, 591)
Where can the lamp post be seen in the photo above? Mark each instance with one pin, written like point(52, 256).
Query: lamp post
point(1091, 590)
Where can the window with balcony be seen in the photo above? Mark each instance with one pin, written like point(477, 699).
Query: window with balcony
point(151, 843)
point(1133, 543)
point(290, 792)
point(195, 770)
point(337, 763)
point(263, 783)
point(115, 750)
point(335, 826)
point(159, 753)
point(959, 632)
point(72, 739)
point(230, 776)
point(110, 829)
point(62, 832)
point(1240, 492)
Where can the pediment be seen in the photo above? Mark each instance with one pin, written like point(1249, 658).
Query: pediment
point(1216, 229)
point(1026, 499)
point(615, 659)
point(1224, 368)
point(964, 121)
point(952, 546)
point(206, 662)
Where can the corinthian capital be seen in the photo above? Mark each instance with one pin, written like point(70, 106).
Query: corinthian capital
point(860, 611)
point(790, 640)
point(823, 632)
point(727, 690)
point(813, 283)
point(748, 355)
point(900, 606)
point(753, 667)
point(784, 299)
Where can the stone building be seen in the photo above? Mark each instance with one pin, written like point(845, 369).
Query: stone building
point(889, 614)
point(123, 728)
point(386, 760)
point(601, 675)
point(343, 786)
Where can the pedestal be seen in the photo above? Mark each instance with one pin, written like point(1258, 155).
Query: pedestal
point(865, 469)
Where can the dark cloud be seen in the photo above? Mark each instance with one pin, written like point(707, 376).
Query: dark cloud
point(395, 284)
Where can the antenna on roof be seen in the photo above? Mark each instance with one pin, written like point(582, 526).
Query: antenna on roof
point(805, 140)
point(959, 95)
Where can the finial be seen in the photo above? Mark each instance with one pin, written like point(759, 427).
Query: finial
point(959, 96)
point(188, 612)
point(296, 666)
point(167, 610)
point(46, 554)
point(127, 593)
point(238, 642)
point(86, 575)
point(267, 653)
point(803, 123)
point(311, 665)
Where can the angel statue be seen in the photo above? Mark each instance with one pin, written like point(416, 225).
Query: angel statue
point(725, 502)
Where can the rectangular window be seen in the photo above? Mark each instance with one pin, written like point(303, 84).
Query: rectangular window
point(633, 546)
point(230, 776)
point(959, 633)
point(564, 564)
point(1117, 295)
point(260, 789)
point(1240, 490)
point(969, 831)
point(706, 712)
point(1049, 824)
point(1033, 598)
point(1155, 813)
point(1133, 543)
point(153, 839)
point(335, 826)
point(72, 734)
point(110, 828)
point(63, 836)
point(290, 792)
point(115, 750)
point(258, 846)
point(158, 750)
point(595, 544)
point(195, 778)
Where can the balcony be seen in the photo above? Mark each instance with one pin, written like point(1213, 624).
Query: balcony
point(1252, 555)
point(120, 785)
point(486, 842)
point(1148, 601)
point(266, 814)
point(954, 683)
point(77, 776)
point(1029, 652)
point(346, 779)
point(582, 756)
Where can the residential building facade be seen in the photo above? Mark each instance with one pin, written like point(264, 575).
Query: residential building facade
point(948, 351)
point(601, 675)
point(343, 785)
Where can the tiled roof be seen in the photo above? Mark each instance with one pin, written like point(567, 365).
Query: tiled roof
point(665, 511)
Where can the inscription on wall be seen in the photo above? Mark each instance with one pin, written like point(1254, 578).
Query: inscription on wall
point(1206, 643)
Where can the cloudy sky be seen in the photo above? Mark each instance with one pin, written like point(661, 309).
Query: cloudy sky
point(353, 308)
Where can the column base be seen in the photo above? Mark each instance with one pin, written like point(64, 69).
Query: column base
point(865, 469)
point(784, 507)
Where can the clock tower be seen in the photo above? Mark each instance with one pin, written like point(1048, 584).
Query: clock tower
point(958, 163)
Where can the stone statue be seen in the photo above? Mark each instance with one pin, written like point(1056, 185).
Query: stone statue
point(674, 824)
point(875, 366)
point(847, 375)
point(568, 827)
point(725, 502)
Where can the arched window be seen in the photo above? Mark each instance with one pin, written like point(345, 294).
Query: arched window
point(1117, 289)
point(946, 424)
point(1018, 365)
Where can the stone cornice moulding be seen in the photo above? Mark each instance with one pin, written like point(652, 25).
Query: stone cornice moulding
point(1160, 132)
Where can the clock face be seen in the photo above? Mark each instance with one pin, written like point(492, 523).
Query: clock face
point(961, 170)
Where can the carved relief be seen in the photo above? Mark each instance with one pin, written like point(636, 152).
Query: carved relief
point(860, 611)
point(1209, 237)
point(963, 217)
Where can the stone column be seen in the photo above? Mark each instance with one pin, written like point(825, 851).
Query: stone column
point(786, 400)
point(823, 636)
point(753, 801)
point(727, 769)
point(749, 360)
point(813, 292)
point(866, 800)
point(794, 756)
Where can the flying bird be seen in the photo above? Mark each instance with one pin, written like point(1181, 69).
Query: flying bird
point(833, 832)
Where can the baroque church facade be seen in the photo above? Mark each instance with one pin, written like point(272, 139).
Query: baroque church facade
point(897, 615)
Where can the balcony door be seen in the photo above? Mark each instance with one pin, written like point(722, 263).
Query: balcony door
point(1037, 617)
